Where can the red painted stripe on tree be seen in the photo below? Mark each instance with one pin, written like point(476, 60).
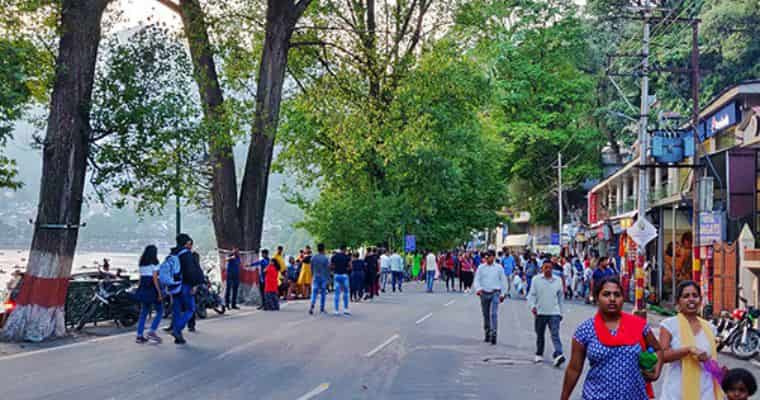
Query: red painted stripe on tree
point(43, 292)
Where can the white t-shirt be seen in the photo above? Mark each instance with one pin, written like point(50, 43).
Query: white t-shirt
point(671, 387)
point(430, 263)
point(385, 263)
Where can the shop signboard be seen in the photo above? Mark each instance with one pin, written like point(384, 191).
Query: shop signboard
point(410, 243)
point(710, 228)
point(555, 239)
point(724, 118)
point(593, 198)
point(642, 232)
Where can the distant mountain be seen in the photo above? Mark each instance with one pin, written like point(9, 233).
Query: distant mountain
point(110, 229)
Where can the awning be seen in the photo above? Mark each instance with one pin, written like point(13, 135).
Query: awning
point(517, 241)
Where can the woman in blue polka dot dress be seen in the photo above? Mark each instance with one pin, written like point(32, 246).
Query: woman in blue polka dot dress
point(611, 341)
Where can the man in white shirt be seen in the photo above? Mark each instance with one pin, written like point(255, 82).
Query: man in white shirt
point(385, 269)
point(430, 269)
point(491, 285)
point(397, 271)
point(545, 300)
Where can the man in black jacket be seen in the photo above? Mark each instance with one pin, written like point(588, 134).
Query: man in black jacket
point(183, 303)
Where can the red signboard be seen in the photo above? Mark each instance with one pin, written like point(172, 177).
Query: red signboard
point(593, 205)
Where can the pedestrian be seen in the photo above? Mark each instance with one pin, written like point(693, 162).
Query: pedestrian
point(305, 277)
point(567, 272)
point(602, 271)
point(491, 286)
point(517, 284)
point(397, 271)
point(431, 266)
point(271, 287)
point(385, 269)
point(320, 266)
point(508, 263)
point(282, 280)
point(467, 275)
point(612, 341)
point(357, 277)
point(370, 274)
point(449, 272)
point(688, 341)
point(340, 263)
point(531, 269)
point(292, 277)
point(739, 384)
point(417, 266)
point(588, 274)
point(261, 265)
point(545, 300)
point(233, 279)
point(149, 294)
point(183, 303)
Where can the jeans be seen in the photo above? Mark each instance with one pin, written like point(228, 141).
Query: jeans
point(398, 278)
point(541, 322)
point(232, 288)
point(489, 304)
point(384, 278)
point(318, 284)
point(144, 311)
point(527, 286)
point(341, 283)
point(429, 279)
point(183, 308)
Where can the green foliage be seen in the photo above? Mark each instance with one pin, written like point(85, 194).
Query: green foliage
point(149, 139)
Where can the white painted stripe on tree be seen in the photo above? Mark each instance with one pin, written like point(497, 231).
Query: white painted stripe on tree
point(449, 303)
point(382, 345)
point(316, 391)
point(421, 320)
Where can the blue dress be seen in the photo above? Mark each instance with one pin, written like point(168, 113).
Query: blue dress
point(614, 372)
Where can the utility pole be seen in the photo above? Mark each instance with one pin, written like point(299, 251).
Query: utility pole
point(643, 153)
point(696, 267)
point(559, 171)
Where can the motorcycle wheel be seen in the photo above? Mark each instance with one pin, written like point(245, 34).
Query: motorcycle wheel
point(87, 316)
point(748, 348)
point(127, 319)
point(201, 311)
point(220, 309)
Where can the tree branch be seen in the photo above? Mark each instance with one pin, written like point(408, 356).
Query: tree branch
point(171, 6)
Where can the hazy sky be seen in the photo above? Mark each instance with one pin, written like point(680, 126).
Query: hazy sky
point(136, 11)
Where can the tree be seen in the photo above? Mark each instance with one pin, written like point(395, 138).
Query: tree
point(149, 142)
point(239, 222)
point(39, 314)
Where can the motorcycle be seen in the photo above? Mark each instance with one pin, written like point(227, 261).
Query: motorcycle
point(736, 330)
point(114, 299)
point(208, 296)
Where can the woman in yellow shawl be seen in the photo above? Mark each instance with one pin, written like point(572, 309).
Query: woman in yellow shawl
point(304, 277)
point(688, 341)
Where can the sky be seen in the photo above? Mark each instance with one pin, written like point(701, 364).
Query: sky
point(136, 11)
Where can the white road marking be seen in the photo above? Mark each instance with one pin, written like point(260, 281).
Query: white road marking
point(421, 320)
point(104, 338)
point(449, 303)
point(382, 345)
point(317, 390)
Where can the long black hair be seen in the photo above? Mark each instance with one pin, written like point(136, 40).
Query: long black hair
point(149, 256)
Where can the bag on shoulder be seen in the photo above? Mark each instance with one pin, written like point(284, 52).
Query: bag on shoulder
point(170, 273)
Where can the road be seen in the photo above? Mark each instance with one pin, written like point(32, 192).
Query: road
point(410, 345)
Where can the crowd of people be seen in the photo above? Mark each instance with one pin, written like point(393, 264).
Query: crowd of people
point(612, 341)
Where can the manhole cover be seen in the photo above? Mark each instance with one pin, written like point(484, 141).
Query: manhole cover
point(506, 361)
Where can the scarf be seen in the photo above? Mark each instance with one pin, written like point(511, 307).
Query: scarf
point(629, 333)
point(690, 367)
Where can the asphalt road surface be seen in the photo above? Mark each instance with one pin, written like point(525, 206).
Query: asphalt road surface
point(410, 345)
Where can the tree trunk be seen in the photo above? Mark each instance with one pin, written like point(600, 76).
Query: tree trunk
point(224, 213)
point(281, 19)
point(40, 312)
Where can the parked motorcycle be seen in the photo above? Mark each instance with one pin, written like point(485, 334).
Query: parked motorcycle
point(114, 299)
point(736, 330)
point(209, 296)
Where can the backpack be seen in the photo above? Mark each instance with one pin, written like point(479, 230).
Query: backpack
point(170, 272)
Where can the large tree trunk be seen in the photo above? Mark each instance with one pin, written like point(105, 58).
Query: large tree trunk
point(281, 20)
point(224, 213)
point(43, 293)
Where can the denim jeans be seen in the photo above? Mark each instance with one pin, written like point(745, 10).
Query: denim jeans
point(553, 322)
point(318, 284)
point(183, 308)
point(144, 311)
point(384, 278)
point(340, 282)
point(429, 279)
point(398, 279)
point(232, 289)
point(489, 304)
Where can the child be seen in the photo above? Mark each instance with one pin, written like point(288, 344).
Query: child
point(739, 384)
point(271, 295)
